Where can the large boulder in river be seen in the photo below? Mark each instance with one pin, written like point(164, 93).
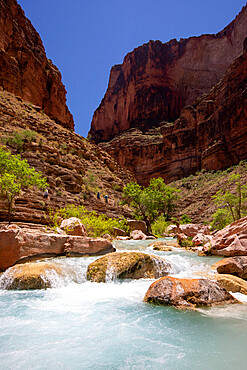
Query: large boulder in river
point(187, 293)
point(127, 265)
point(38, 275)
point(230, 241)
point(18, 244)
point(73, 226)
point(233, 265)
point(231, 283)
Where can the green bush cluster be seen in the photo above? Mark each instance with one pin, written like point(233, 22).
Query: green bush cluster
point(90, 180)
point(96, 224)
point(17, 138)
point(186, 243)
point(16, 175)
point(231, 202)
point(159, 226)
point(185, 219)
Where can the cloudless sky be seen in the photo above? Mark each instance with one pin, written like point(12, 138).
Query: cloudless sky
point(85, 38)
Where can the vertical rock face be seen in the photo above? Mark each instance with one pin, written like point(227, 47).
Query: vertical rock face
point(211, 134)
point(24, 67)
point(157, 80)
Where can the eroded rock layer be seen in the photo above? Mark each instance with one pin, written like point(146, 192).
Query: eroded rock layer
point(24, 67)
point(75, 169)
point(157, 80)
point(210, 133)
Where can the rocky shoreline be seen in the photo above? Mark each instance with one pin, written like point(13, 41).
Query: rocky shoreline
point(24, 252)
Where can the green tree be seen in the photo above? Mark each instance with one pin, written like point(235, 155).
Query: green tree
point(15, 175)
point(152, 201)
point(230, 202)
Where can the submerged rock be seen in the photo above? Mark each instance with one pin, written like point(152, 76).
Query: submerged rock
point(187, 293)
point(164, 245)
point(38, 275)
point(162, 248)
point(127, 265)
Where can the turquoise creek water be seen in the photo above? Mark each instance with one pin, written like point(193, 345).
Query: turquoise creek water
point(83, 325)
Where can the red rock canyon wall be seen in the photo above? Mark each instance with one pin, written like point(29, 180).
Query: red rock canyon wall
point(157, 80)
point(24, 67)
point(211, 134)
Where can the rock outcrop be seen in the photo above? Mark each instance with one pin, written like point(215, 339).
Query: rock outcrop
point(158, 83)
point(230, 241)
point(157, 80)
point(24, 68)
point(210, 134)
point(137, 225)
point(17, 245)
point(187, 293)
point(233, 265)
point(190, 230)
point(138, 235)
point(75, 168)
point(127, 265)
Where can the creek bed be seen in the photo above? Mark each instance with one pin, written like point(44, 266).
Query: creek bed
point(82, 325)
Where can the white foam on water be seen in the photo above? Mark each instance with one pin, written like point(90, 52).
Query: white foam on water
point(240, 297)
point(83, 325)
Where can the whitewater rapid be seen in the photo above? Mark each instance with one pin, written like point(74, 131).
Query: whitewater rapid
point(82, 325)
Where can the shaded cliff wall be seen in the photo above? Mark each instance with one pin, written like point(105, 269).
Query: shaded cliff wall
point(157, 80)
point(211, 134)
point(24, 67)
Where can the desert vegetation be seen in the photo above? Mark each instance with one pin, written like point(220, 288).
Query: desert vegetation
point(16, 175)
point(95, 224)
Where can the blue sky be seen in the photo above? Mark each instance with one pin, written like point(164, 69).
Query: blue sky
point(85, 38)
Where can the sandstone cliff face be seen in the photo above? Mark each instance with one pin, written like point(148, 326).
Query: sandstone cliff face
point(211, 134)
point(75, 169)
point(157, 80)
point(24, 67)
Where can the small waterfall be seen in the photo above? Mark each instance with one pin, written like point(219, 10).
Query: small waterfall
point(110, 273)
point(51, 279)
point(6, 280)
point(71, 270)
point(161, 267)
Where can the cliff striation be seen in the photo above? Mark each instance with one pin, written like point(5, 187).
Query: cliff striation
point(156, 81)
point(24, 67)
point(75, 169)
point(211, 134)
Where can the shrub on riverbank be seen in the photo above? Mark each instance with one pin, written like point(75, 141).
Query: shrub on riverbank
point(159, 227)
point(96, 224)
point(231, 202)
